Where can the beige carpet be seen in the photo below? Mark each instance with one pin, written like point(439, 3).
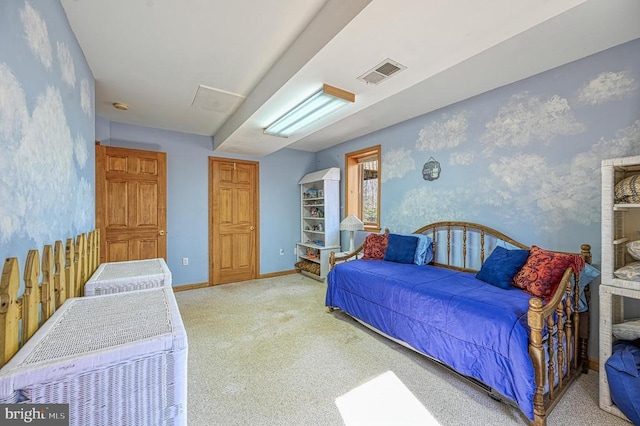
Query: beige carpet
point(266, 352)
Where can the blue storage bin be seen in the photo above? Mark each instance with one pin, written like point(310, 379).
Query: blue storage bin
point(623, 373)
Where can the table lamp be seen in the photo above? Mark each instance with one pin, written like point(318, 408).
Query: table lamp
point(351, 224)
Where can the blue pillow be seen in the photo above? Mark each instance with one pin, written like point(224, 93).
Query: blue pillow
point(501, 266)
point(424, 249)
point(588, 274)
point(428, 254)
point(401, 248)
point(623, 372)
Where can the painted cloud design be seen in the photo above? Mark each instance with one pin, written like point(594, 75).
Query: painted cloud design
point(426, 205)
point(548, 196)
point(14, 117)
point(396, 163)
point(461, 158)
point(35, 29)
point(534, 187)
point(608, 86)
point(42, 192)
point(85, 97)
point(46, 178)
point(527, 119)
point(584, 188)
point(514, 174)
point(448, 132)
point(83, 198)
point(67, 68)
point(13, 109)
point(523, 188)
point(39, 182)
point(80, 150)
point(625, 143)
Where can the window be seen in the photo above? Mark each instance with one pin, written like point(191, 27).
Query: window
point(362, 186)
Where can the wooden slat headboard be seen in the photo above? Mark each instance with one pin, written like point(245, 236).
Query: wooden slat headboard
point(465, 245)
point(461, 245)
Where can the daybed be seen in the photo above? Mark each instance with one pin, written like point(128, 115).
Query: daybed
point(493, 333)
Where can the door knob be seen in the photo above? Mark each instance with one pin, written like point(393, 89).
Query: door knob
point(252, 227)
point(161, 232)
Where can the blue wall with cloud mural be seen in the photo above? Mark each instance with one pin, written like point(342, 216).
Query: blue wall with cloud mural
point(523, 159)
point(47, 128)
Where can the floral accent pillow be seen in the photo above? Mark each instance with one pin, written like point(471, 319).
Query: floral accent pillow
point(543, 270)
point(375, 246)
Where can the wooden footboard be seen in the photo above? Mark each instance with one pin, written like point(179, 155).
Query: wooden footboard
point(558, 357)
point(556, 366)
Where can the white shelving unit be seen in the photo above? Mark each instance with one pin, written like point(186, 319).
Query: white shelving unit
point(620, 224)
point(319, 220)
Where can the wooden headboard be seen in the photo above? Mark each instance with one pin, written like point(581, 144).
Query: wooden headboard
point(461, 245)
point(464, 245)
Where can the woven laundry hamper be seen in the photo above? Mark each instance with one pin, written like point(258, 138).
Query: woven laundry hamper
point(115, 277)
point(118, 359)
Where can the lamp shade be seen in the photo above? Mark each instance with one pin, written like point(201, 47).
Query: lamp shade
point(351, 223)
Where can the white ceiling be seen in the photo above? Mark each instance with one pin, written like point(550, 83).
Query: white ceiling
point(262, 57)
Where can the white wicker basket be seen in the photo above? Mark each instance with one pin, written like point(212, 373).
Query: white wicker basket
point(115, 277)
point(119, 359)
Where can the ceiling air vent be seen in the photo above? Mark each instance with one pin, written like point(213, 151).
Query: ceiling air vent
point(381, 72)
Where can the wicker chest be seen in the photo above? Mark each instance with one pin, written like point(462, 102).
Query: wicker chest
point(115, 277)
point(115, 359)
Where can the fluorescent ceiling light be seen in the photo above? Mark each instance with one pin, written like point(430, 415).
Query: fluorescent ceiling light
point(318, 105)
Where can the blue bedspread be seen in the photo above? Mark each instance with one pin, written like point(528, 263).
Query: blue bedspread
point(477, 329)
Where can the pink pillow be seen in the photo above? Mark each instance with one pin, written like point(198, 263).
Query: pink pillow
point(375, 246)
point(543, 270)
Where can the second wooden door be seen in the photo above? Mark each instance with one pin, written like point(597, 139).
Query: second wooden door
point(233, 211)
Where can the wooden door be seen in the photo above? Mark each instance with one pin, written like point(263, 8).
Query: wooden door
point(131, 203)
point(233, 215)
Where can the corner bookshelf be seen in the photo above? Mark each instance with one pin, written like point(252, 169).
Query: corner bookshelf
point(620, 225)
point(319, 221)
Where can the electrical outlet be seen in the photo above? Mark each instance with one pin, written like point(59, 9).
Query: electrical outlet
point(185, 261)
point(281, 252)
